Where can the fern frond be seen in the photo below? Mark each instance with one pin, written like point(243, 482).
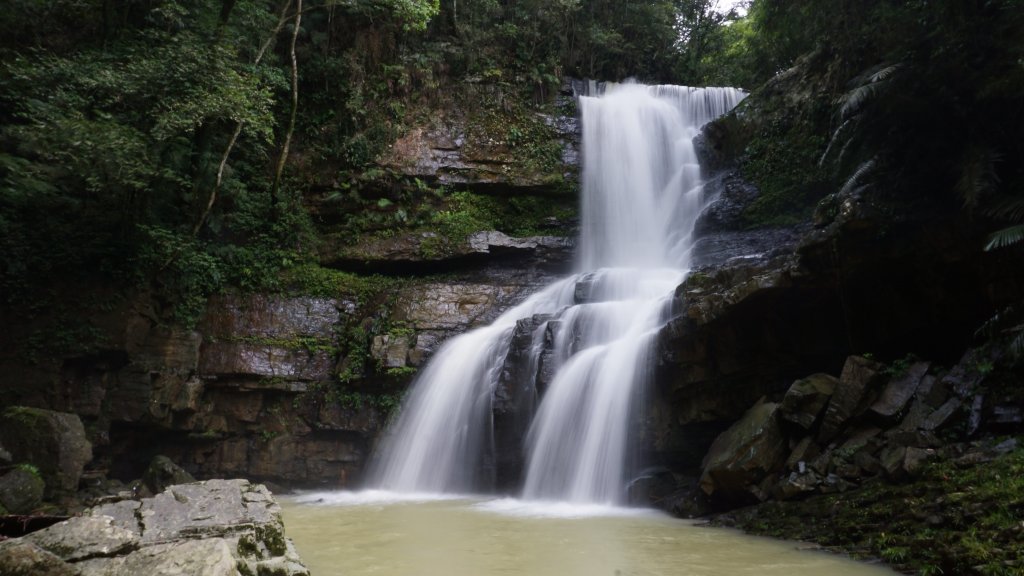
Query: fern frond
point(869, 86)
point(1005, 237)
point(1009, 208)
point(885, 72)
point(851, 183)
point(832, 141)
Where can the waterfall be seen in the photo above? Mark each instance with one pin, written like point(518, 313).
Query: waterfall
point(642, 193)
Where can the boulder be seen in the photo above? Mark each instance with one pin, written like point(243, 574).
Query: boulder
point(163, 472)
point(84, 537)
point(806, 398)
point(899, 391)
point(19, 557)
point(212, 528)
point(742, 456)
point(53, 442)
point(21, 491)
point(860, 376)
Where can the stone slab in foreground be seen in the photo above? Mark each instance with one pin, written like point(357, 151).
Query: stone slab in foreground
point(211, 528)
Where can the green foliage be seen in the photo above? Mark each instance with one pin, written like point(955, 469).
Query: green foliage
point(30, 468)
point(954, 519)
point(782, 159)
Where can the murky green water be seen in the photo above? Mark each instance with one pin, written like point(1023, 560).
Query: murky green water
point(362, 535)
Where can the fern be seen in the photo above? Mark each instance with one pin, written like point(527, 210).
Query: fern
point(862, 171)
point(1009, 208)
point(871, 85)
point(1005, 237)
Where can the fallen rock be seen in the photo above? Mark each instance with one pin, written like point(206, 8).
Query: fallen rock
point(806, 398)
point(860, 375)
point(942, 415)
point(53, 442)
point(742, 456)
point(21, 491)
point(163, 472)
point(899, 391)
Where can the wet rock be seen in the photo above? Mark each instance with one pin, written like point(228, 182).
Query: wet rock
point(54, 442)
point(860, 375)
point(453, 307)
point(21, 491)
point(898, 392)
point(732, 194)
point(272, 317)
point(744, 455)
point(547, 364)
point(425, 344)
point(390, 350)
point(806, 398)
point(265, 360)
point(19, 557)
point(163, 472)
point(514, 399)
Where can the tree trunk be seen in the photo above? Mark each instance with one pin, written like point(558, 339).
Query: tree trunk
point(274, 191)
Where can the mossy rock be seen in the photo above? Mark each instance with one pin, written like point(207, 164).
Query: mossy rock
point(53, 442)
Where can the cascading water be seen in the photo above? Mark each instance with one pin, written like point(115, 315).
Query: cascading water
point(642, 193)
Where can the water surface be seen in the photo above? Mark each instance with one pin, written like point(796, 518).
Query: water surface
point(382, 534)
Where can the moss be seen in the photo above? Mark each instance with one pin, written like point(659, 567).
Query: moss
point(272, 536)
point(951, 520)
point(782, 161)
point(314, 280)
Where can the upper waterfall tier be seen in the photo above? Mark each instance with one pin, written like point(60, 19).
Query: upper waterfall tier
point(641, 179)
point(587, 337)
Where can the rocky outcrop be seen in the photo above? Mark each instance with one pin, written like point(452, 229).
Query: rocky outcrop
point(52, 442)
point(861, 435)
point(744, 454)
point(214, 528)
point(413, 252)
point(489, 148)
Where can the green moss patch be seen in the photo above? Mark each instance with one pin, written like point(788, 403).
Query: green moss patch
point(954, 519)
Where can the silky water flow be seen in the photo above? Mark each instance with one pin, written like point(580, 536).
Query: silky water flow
point(642, 193)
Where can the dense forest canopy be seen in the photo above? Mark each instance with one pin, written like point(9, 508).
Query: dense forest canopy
point(161, 144)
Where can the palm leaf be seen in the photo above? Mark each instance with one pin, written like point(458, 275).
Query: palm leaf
point(869, 87)
point(1009, 208)
point(862, 171)
point(1005, 237)
point(832, 141)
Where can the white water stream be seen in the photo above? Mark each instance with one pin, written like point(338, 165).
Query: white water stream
point(642, 193)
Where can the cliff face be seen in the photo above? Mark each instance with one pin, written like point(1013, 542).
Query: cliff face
point(295, 387)
point(465, 216)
